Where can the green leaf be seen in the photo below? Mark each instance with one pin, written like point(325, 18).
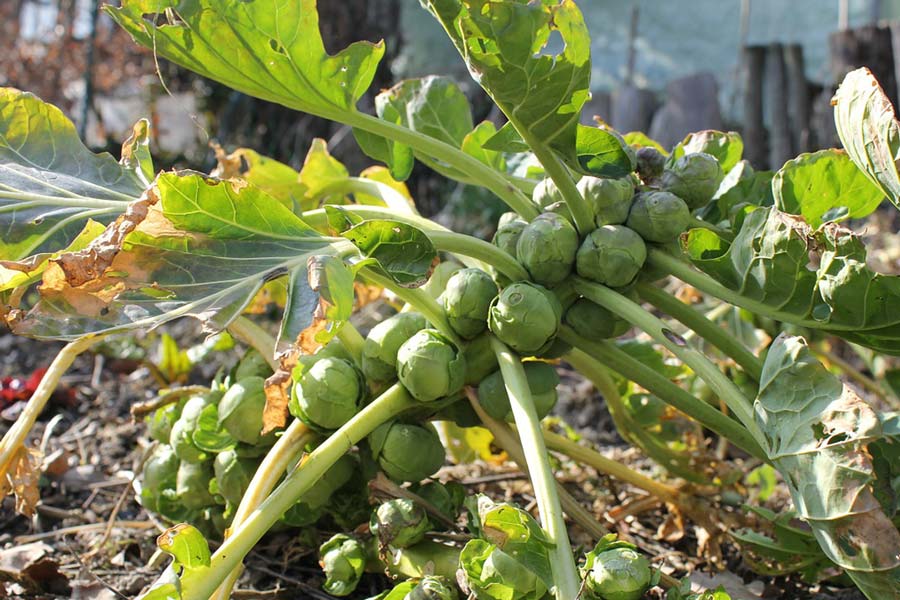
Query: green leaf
point(726, 147)
point(763, 477)
point(51, 184)
point(603, 152)
point(265, 48)
point(474, 143)
point(187, 545)
point(824, 183)
point(869, 130)
point(195, 246)
point(817, 434)
point(813, 278)
point(320, 170)
point(539, 87)
point(209, 435)
point(638, 139)
point(403, 251)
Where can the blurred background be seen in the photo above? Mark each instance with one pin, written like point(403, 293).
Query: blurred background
point(765, 68)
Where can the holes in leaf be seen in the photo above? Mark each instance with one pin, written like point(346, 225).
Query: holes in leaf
point(277, 46)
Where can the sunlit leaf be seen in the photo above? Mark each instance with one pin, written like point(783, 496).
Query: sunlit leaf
point(817, 433)
point(402, 250)
point(824, 185)
point(51, 184)
point(320, 170)
point(276, 179)
point(868, 128)
point(726, 147)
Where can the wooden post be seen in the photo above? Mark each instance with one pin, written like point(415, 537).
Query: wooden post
point(798, 97)
point(776, 100)
point(754, 133)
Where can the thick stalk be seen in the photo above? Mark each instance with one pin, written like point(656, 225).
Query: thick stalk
point(591, 457)
point(200, 584)
point(418, 299)
point(256, 337)
point(656, 329)
point(557, 171)
point(709, 331)
point(708, 285)
point(506, 439)
point(18, 433)
point(442, 238)
point(480, 173)
point(280, 457)
point(352, 341)
point(617, 360)
point(565, 574)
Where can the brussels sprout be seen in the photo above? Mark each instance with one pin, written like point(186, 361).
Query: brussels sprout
point(491, 573)
point(379, 355)
point(616, 573)
point(343, 559)
point(399, 522)
point(159, 424)
point(430, 366)
point(650, 164)
point(594, 322)
point(547, 248)
point(611, 255)
point(181, 436)
point(241, 409)
point(694, 178)
point(159, 472)
point(526, 317)
point(328, 394)
point(441, 497)
point(233, 474)
point(406, 452)
point(441, 274)
point(432, 588)
point(192, 485)
point(333, 349)
point(610, 199)
point(658, 216)
point(480, 359)
point(508, 233)
point(542, 381)
point(252, 364)
point(546, 193)
point(466, 300)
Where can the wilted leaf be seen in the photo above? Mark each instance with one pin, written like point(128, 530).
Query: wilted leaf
point(869, 130)
point(51, 184)
point(275, 413)
point(272, 177)
point(814, 278)
point(817, 433)
point(20, 476)
point(824, 186)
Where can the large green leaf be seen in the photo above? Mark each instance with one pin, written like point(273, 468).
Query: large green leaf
point(824, 186)
point(51, 184)
point(269, 49)
point(541, 88)
point(817, 434)
point(869, 130)
point(780, 267)
point(726, 147)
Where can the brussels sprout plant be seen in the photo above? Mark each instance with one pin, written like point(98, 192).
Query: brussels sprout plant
point(674, 280)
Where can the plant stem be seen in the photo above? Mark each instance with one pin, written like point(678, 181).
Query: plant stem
point(277, 461)
point(418, 299)
point(665, 390)
point(18, 433)
point(199, 584)
point(709, 331)
point(256, 337)
point(442, 238)
point(506, 439)
point(655, 328)
point(591, 457)
point(480, 173)
point(565, 574)
point(708, 285)
point(581, 212)
point(352, 340)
